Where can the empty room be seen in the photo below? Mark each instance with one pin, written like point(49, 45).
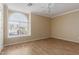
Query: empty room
point(39, 29)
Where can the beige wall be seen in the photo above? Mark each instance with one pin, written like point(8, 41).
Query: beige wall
point(66, 27)
point(40, 29)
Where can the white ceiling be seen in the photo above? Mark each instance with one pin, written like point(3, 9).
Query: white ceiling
point(42, 8)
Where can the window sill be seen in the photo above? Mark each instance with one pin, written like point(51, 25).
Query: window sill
point(18, 36)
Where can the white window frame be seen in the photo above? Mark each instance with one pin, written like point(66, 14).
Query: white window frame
point(29, 25)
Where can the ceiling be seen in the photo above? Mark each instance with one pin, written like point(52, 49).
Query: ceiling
point(42, 8)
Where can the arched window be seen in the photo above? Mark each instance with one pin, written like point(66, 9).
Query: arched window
point(18, 25)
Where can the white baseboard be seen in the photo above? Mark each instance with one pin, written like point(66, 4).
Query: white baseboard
point(66, 39)
point(27, 41)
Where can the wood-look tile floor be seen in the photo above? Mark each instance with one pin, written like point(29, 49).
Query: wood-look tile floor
point(43, 47)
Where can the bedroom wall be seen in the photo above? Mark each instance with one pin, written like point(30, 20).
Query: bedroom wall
point(66, 27)
point(40, 29)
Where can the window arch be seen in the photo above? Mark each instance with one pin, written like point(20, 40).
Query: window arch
point(18, 25)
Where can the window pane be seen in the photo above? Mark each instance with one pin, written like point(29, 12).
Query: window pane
point(18, 24)
point(18, 17)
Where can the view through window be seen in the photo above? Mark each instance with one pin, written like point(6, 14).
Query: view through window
point(18, 25)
